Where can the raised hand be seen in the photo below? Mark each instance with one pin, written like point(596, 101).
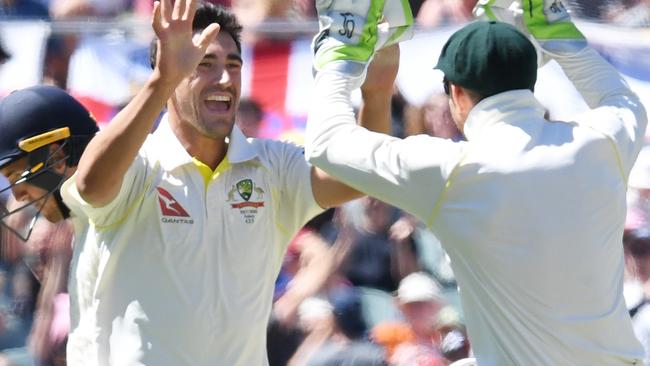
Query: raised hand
point(546, 22)
point(382, 71)
point(179, 49)
point(351, 32)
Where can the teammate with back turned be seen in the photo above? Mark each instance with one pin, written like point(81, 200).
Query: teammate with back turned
point(530, 211)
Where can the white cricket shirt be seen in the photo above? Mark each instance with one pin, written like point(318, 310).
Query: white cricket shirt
point(176, 273)
point(531, 212)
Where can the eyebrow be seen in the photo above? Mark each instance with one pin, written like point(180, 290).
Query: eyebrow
point(231, 57)
point(235, 57)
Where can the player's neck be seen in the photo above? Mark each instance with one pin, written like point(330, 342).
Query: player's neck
point(208, 150)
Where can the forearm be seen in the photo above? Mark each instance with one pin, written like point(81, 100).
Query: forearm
point(390, 169)
point(331, 123)
point(598, 81)
point(404, 261)
point(309, 281)
point(617, 111)
point(375, 112)
point(109, 155)
point(377, 90)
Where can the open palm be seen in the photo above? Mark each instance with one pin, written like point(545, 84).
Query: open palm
point(179, 50)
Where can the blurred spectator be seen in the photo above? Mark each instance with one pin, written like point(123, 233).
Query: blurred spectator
point(382, 252)
point(307, 269)
point(348, 343)
point(4, 55)
point(635, 13)
point(37, 315)
point(305, 8)
point(638, 213)
point(639, 191)
point(435, 13)
point(637, 247)
point(308, 264)
point(60, 47)
point(590, 9)
point(252, 13)
point(52, 321)
point(66, 9)
point(250, 117)
point(18, 292)
point(433, 118)
point(23, 9)
point(419, 300)
point(282, 341)
point(455, 345)
point(391, 334)
point(316, 321)
point(58, 50)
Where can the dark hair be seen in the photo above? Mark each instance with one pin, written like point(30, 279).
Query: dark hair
point(205, 15)
point(475, 96)
point(251, 106)
point(348, 312)
point(4, 55)
point(637, 242)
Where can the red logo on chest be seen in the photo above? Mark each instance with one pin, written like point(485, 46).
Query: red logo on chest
point(169, 206)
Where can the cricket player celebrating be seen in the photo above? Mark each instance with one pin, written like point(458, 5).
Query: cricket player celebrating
point(180, 234)
point(530, 211)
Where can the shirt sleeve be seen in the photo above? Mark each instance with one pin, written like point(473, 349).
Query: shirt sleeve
point(616, 111)
point(297, 202)
point(135, 183)
point(409, 173)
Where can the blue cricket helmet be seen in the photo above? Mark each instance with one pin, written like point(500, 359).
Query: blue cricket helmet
point(50, 129)
point(32, 112)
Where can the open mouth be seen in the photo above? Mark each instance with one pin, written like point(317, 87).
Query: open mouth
point(218, 103)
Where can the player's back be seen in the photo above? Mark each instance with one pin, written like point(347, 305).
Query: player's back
point(532, 220)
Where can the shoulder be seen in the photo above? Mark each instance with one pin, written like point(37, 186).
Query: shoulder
point(276, 153)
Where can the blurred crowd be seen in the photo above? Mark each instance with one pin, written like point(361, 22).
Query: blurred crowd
point(364, 283)
point(252, 12)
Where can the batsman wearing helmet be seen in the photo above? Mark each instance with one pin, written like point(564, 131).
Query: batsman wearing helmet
point(44, 132)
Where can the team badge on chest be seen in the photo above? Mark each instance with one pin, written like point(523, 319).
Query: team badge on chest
point(248, 198)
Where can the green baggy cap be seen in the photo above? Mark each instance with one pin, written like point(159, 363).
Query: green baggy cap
point(489, 58)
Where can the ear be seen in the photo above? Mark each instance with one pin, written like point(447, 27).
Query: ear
point(462, 99)
point(58, 157)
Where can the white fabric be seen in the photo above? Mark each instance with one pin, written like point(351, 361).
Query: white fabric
point(641, 323)
point(149, 288)
point(531, 212)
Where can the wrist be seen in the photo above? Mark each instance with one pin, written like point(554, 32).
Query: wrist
point(163, 80)
point(376, 95)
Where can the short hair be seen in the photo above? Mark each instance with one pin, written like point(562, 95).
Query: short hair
point(251, 106)
point(474, 95)
point(637, 242)
point(205, 15)
point(4, 55)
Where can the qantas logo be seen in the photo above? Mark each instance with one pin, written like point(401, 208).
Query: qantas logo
point(174, 212)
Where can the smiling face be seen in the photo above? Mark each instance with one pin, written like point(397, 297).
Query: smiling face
point(207, 100)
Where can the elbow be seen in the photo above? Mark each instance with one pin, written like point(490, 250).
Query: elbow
point(310, 154)
point(86, 187)
point(643, 119)
point(314, 149)
point(94, 191)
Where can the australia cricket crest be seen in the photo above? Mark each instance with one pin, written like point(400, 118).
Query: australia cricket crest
point(247, 197)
